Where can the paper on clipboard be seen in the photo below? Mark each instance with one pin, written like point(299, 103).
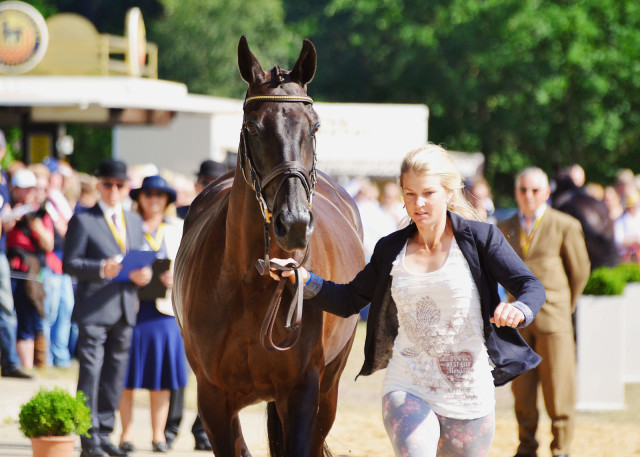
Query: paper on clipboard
point(134, 260)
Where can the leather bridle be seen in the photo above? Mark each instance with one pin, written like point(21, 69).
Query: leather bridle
point(282, 172)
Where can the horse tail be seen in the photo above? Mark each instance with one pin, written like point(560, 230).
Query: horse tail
point(274, 431)
point(326, 451)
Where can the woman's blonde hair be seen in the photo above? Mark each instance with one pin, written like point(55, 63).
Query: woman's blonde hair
point(432, 159)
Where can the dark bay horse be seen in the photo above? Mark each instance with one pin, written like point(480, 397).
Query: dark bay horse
point(221, 300)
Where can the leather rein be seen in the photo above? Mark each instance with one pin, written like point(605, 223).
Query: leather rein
point(282, 172)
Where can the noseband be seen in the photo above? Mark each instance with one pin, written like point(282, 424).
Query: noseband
point(283, 171)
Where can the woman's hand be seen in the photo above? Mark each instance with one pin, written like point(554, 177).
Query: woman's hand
point(302, 272)
point(507, 315)
point(166, 278)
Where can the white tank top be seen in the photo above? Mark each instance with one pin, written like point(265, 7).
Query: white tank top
point(440, 354)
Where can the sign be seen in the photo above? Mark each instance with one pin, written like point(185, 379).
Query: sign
point(23, 37)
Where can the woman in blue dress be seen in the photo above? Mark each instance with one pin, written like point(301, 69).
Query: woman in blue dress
point(157, 359)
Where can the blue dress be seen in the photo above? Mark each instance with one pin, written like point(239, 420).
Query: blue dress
point(156, 359)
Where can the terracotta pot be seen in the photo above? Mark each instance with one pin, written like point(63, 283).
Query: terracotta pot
point(53, 446)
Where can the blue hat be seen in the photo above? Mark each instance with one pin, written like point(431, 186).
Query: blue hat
point(155, 182)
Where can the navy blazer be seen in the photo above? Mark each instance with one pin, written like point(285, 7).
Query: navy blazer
point(89, 241)
point(491, 260)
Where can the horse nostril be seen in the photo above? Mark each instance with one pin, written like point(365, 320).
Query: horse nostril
point(279, 226)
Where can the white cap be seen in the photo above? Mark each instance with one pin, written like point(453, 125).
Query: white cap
point(24, 179)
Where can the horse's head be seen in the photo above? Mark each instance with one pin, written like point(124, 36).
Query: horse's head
point(277, 152)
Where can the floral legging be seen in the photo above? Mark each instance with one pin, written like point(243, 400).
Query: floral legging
point(416, 431)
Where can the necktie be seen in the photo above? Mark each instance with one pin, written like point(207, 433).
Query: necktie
point(121, 236)
point(528, 222)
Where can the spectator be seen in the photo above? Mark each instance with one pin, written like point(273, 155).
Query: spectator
point(612, 200)
point(59, 300)
point(88, 195)
point(105, 310)
point(376, 223)
point(209, 172)
point(625, 184)
point(29, 249)
point(479, 195)
point(9, 360)
point(627, 229)
point(593, 215)
point(391, 201)
point(157, 360)
point(595, 190)
point(552, 245)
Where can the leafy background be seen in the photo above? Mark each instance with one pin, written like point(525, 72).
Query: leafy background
point(526, 82)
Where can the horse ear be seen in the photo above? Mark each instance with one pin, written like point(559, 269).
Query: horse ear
point(305, 67)
point(249, 66)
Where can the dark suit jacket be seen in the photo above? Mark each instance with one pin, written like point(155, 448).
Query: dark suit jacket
point(89, 240)
point(491, 260)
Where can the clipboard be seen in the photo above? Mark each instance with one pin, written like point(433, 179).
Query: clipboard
point(134, 260)
point(155, 288)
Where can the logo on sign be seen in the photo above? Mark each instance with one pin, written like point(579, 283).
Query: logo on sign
point(23, 37)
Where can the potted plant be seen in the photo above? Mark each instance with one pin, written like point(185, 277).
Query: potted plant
point(52, 418)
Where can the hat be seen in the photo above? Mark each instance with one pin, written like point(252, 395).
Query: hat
point(24, 179)
point(112, 169)
point(211, 169)
point(154, 183)
point(51, 163)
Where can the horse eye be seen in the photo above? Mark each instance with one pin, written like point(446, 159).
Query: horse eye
point(252, 128)
point(314, 128)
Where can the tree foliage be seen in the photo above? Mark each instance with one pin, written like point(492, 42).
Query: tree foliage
point(523, 81)
point(198, 41)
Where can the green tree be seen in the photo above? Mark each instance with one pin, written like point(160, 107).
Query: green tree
point(523, 81)
point(198, 41)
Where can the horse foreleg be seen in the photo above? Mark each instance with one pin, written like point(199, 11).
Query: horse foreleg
point(297, 409)
point(221, 423)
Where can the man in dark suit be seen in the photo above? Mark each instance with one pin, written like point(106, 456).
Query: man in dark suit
point(209, 172)
point(552, 245)
point(105, 310)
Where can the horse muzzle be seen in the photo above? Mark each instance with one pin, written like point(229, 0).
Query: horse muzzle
point(293, 229)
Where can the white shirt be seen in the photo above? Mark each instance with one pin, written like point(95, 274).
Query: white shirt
point(440, 354)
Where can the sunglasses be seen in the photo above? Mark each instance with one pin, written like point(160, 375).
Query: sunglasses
point(523, 190)
point(153, 193)
point(109, 185)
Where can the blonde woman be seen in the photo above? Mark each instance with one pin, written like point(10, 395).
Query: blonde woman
point(436, 320)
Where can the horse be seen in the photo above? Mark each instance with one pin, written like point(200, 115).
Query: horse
point(220, 299)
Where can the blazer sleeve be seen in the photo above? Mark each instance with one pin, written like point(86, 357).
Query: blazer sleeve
point(345, 300)
point(74, 260)
point(505, 266)
point(575, 260)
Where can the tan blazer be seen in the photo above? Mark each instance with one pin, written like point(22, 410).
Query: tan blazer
point(558, 257)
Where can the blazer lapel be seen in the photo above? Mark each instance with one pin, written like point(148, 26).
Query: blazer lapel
point(513, 234)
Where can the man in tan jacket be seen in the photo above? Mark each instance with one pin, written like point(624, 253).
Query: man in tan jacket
point(552, 245)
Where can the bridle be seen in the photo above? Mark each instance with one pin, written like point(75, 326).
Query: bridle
point(282, 172)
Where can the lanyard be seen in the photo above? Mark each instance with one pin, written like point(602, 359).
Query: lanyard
point(525, 240)
point(155, 242)
point(119, 235)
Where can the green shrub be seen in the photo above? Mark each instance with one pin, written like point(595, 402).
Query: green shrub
point(55, 413)
point(605, 281)
point(630, 271)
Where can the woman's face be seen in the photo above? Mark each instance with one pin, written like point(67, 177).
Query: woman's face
point(425, 199)
point(152, 202)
